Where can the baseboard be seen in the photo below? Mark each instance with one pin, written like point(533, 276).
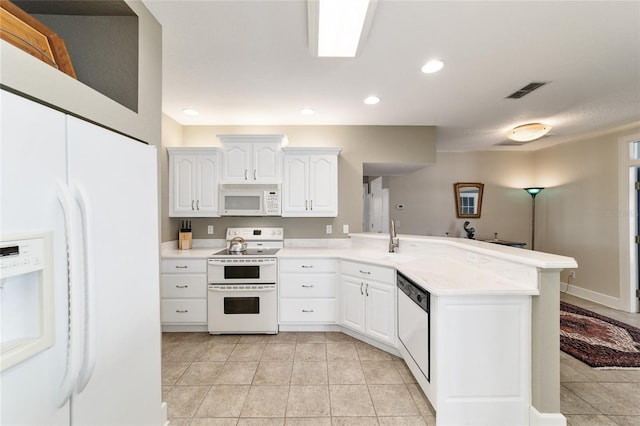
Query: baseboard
point(590, 295)
point(537, 418)
point(165, 416)
point(185, 328)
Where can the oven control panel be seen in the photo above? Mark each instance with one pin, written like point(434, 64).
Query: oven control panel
point(256, 234)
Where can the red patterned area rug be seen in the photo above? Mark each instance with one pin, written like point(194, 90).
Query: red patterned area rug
point(596, 340)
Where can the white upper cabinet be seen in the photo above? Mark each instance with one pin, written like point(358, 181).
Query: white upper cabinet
point(310, 182)
point(194, 175)
point(252, 158)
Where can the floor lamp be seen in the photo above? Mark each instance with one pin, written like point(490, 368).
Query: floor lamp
point(533, 192)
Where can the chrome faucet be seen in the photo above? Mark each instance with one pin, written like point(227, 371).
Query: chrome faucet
point(394, 242)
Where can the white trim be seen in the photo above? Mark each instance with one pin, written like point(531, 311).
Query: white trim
point(537, 418)
point(628, 262)
point(593, 296)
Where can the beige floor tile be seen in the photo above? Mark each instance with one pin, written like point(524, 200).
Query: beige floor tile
point(570, 403)
point(381, 372)
point(354, 421)
point(173, 337)
point(335, 336)
point(625, 420)
point(393, 400)
point(183, 401)
point(310, 352)
point(283, 337)
point(172, 370)
point(223, 401)
point(570, 374)
point(308, 421)
point(260, 422)
point(308, 401)
point(369, 353)
point(405, 373)
point(402, 421)
point(309, 373)
point(345, 373)
point(237, 373)
point(351, 401)
point(266, 401)
point(279, 352)
point(253, 338)
point(311, 337)
point(224, 338)
point(212, 421)
point(184, 421)
point(247, 352)
point(201, 373)
point(423, 404)
point(217, 352)
point(165, 390)
point(605, 399)
point(342, 351)
point(589, 420)
point(187, 352)
point(273, 373)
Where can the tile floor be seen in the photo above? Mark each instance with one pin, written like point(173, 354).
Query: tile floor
point(333, 379)
point(287, 379)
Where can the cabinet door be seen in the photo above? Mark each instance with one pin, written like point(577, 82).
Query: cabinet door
point(323, 185)
point(295, 185)
point(266, 163)
point(380, 311)
point(352, 312)
point(207, 177)
point(237, 162)
point(182, 194)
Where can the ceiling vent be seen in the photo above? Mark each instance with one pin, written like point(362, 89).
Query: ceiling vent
point(527, 89)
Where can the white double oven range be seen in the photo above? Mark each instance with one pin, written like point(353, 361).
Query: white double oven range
point(242, 282)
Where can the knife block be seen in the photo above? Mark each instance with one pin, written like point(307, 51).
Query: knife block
point(184, 241)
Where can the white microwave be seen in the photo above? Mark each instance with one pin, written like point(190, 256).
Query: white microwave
point(250, 200)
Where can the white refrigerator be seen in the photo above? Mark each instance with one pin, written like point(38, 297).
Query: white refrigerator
point(95, 192)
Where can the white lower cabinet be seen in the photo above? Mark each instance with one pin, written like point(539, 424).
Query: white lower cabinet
point(308, 293)
point(183, 292)
point(368, 300)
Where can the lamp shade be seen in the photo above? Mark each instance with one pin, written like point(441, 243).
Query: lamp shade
point(528, 132)
point(533, 191)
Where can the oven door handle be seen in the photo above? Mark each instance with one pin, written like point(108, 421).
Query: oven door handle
point(242, 290)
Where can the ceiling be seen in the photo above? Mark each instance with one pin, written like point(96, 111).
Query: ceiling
point(248, 63)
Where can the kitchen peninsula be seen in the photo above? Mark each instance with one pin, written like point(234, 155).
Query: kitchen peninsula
point(493, 321)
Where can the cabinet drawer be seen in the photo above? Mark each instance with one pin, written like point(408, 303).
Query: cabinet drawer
point(309, 265)
point(188, 266)
point(183, 311)
point(369, 272)
point(308, 310)
point(181, 286)
point(308, 285)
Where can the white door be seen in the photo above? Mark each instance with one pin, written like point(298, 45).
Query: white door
point(32, 162)
point(118, 177)
point(207, 181)
point(352, 314)
point(266, 163)
point(295, 186)
point(184, 171)
point(323, 185)
point(237, 162)
point(380, 312)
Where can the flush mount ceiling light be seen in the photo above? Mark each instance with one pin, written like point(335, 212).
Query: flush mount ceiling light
point(432, 66)
point(372, 100)
point(190, 111)
point(528, 132)
point(338, 28)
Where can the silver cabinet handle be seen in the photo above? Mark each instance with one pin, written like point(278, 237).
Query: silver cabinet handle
point(192, 205)
point(245, 174)
point(254, 174)
point(307, 310)
point(182, 311)
point(365, 272)
point(311, 204)
point(366, 289)
point(307, 266)
point(306, 204)
point(182, 286)
point(361, 292)
point(181, 267)
point(307, 285)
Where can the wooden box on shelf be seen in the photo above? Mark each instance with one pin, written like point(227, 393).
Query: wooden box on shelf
point(32, 36)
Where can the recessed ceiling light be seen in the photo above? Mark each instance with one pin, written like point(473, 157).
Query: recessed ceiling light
point(190, 111)
point(372, 100)
point(307, 111)
point(432, 66)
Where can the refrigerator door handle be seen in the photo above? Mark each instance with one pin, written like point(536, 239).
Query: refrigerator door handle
point(89, 353)
point(74, 303)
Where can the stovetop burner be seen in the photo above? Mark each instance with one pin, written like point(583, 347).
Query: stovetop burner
point(248, 252)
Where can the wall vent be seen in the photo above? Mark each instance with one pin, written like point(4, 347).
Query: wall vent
point(527, 89)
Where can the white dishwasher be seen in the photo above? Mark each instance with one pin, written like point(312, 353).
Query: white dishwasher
point(413, 322)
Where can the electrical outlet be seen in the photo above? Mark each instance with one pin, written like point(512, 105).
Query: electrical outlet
point(345, 229)
point(210, 229)
point(572, 274)
point(329, 229)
